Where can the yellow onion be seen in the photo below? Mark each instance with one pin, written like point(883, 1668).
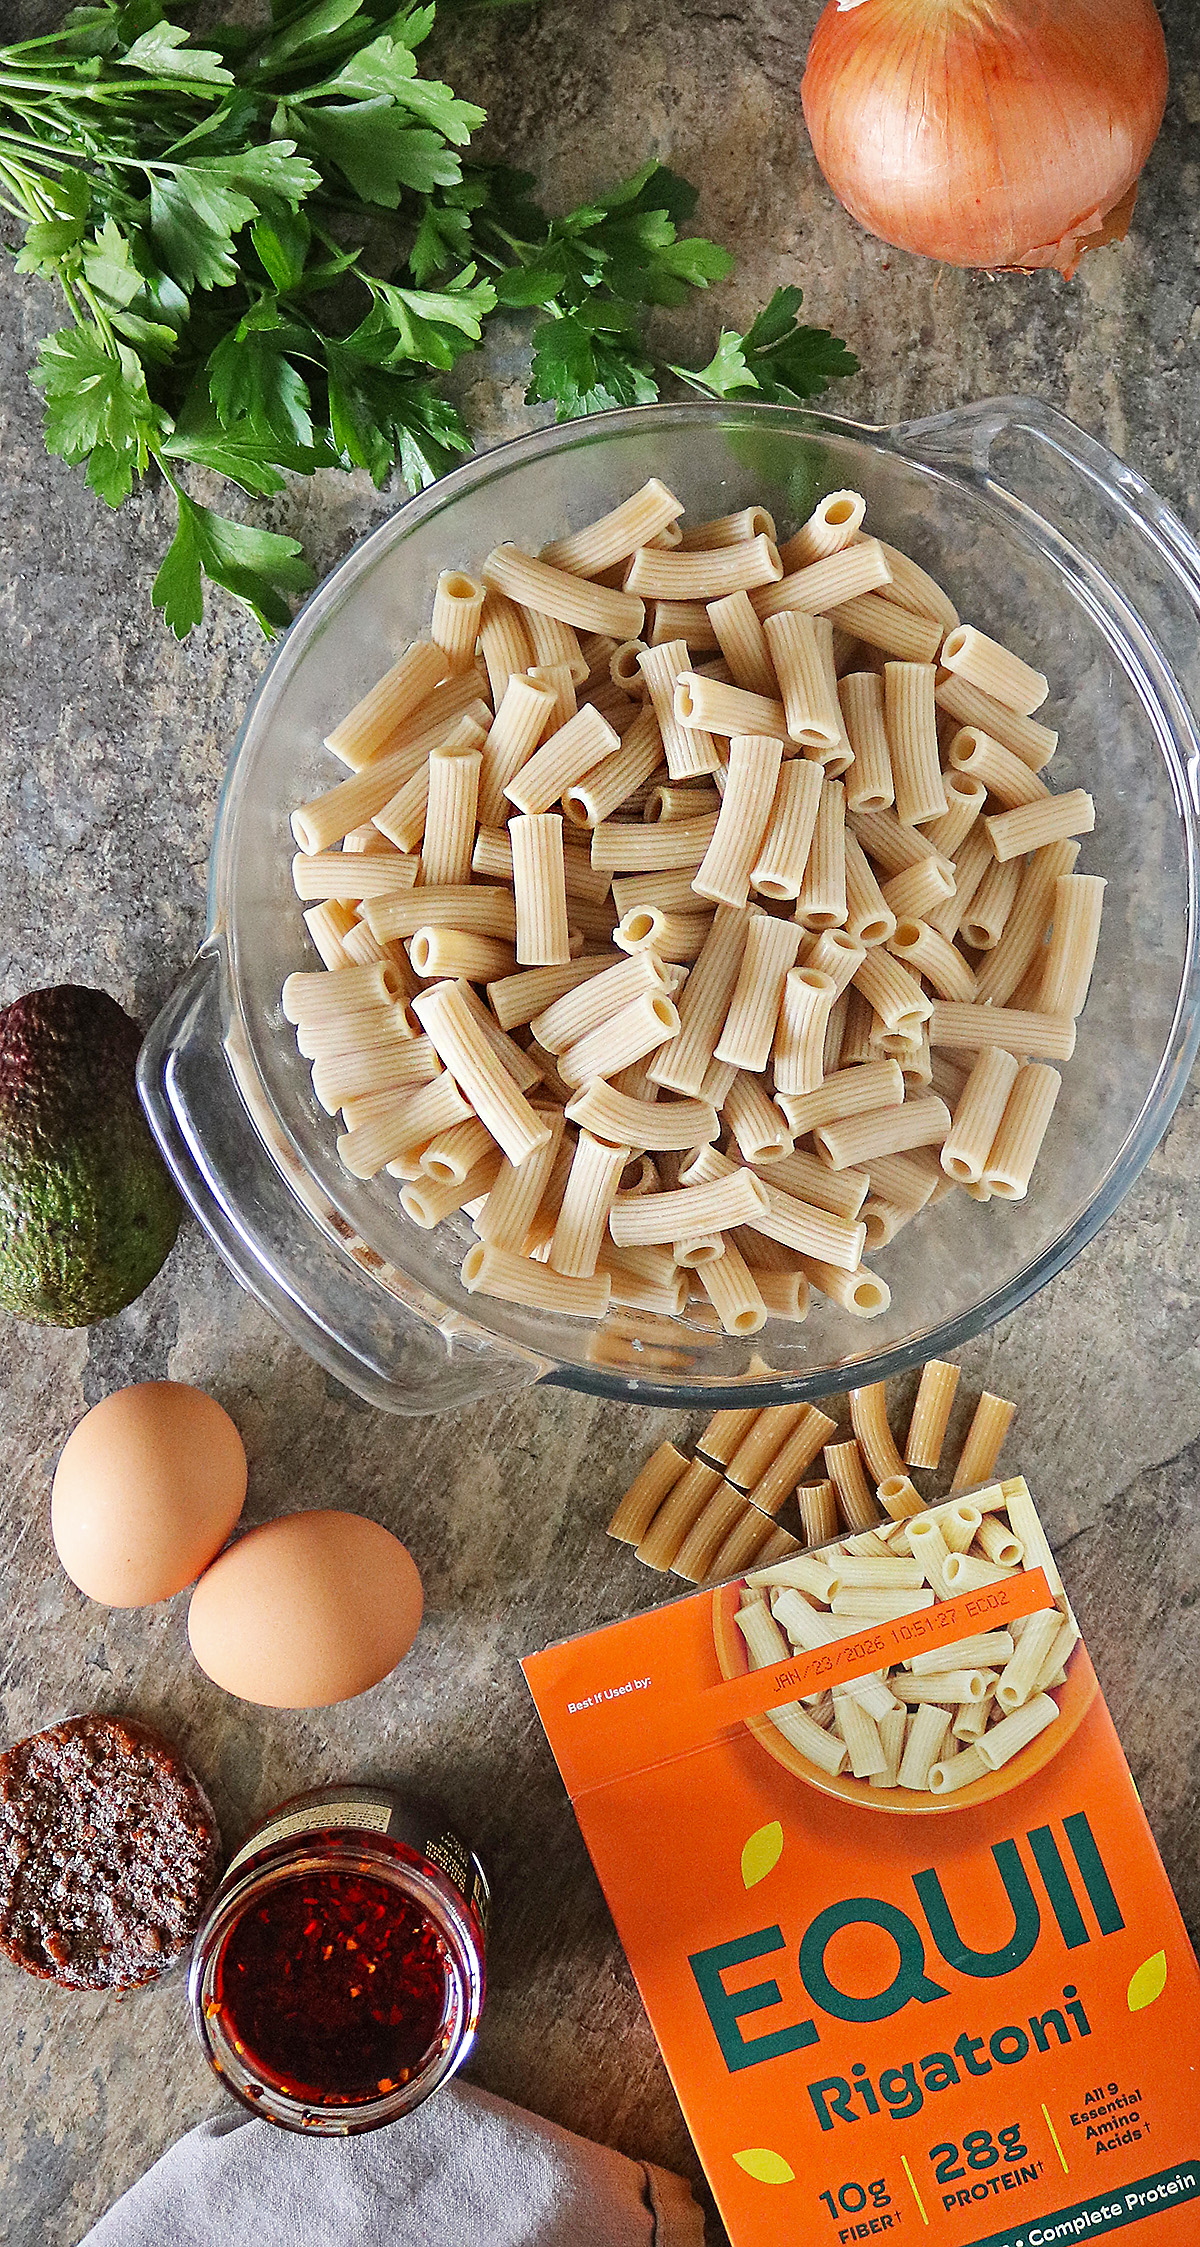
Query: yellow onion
point(987, 132)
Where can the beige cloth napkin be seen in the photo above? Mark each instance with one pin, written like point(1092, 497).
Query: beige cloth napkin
point(465, 2170)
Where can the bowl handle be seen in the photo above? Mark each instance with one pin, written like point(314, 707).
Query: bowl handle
point(377, 1332)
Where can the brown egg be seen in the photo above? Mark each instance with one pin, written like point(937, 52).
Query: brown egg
point(309, 1609)
point(147, 1489)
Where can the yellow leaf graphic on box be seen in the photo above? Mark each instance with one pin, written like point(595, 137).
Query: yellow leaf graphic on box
point(770, 2168)
point(762, 1853)
point(1148, 1983)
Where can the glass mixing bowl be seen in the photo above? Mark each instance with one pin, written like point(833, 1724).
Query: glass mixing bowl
point(1039, 533)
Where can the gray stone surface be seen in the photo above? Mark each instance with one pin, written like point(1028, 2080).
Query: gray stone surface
point(112, 744)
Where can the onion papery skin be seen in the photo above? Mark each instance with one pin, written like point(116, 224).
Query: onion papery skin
point(992, 133)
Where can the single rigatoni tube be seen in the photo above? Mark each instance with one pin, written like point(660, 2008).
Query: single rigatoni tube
point(909, 1180)
point(757, 1125)
point(484, 911)
point(645, 1023)
point(742, 642)
point(728, 530)
point(891, 846)
point(1050, 1037)
point(457, 603)
point(729, 1285)
point(403, 1126)
point(317, 997)
point(956, 1770)
point(1034, 744)
point(449, 833)
point(965, 799)
point(646, 1493)
point(869, 917)
point(491, 856)
point(844, 1466)
point(613, 1116)
point(1019, 1677)
point(822, 900)
point(753, 773)
point(999, 975)
point(539, 890)
point(688, 1213)
point(869, 783)
point(766, 1646)
point(931, 1414)
point(725, 1431)
point(555, 592)
point(726, 710)
point(505, 643)
point(859, 1141)
point(898, 632)
point(849, 1092)
point(393, 698)
point(1001, 1742)
point(834, 523)
point(455, 952)
point(353, 875)
point(591, 1188)
point(328, 925)
point(994, 669)
point(1071, 956)
point(428, 1200)
point(517, 1279)
point(984, 921)
point(599, 545)
point(893, 1729)
point(512, 1205)
point(615, 779)
point(977, 1116)
point(919, 892)
point(588, 1003)
point(703, 1005)
point(834, 953)
point(861, 1734)
point(451, 1155)
point(817, 1502)
point(749, 1028)
point(899, 1497)
point(570, 752)
point(912, 734)
point(459, 1043)
point(778, 871)
point(927, 953)
point(678, 1514)
point(350, 1076)
point(896, 995)
point(868, 1418)
point(1022, 1128)
point(706, 1537)
point(630, 847)
point(521, 718)
point(516, 999)
point(817, 587)
point(809, 1180)
point(985, 1440)
point(1005, 776)
point(971, 869)
point(701, 574)
point(801, 650)
point(799, 1046)
point(923, 1746)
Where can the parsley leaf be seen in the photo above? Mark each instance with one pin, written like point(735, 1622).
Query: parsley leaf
point(94, 397)
point(377, 150)
point(257, 567)
point(776, 359)
point(164, 51)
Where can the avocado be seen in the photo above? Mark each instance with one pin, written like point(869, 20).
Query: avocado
point(88, 1212)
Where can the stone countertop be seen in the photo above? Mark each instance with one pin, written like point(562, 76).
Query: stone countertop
point(113, 740)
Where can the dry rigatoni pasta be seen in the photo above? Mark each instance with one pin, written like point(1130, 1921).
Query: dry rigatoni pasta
point(913, 928)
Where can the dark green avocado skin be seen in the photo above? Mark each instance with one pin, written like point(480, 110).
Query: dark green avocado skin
point(88, 1212)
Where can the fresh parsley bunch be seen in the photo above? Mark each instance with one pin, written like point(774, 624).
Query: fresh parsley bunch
point(272, 245)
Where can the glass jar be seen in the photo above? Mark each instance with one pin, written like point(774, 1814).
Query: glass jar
point(339, 1974)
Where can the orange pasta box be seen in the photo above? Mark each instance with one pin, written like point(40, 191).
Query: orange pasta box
point(892, 1904)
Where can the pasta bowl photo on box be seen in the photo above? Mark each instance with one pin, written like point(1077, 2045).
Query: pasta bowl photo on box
point(933, 1743)
point(657, 1251)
